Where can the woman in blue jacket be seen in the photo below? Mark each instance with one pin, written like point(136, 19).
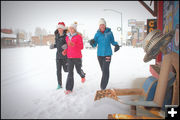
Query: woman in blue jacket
point(104, 38)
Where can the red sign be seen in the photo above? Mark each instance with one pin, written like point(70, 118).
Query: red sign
point(7, 31)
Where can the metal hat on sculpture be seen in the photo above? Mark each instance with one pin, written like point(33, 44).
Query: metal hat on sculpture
point(156, 42)
point(150, 37)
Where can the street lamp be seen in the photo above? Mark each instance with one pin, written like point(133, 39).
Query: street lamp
point(121, 20)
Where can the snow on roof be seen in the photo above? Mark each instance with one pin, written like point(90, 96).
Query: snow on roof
point(3, 35)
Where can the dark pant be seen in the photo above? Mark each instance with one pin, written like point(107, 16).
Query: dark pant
point(77, 62)
point(104, 62)
point(59, 64)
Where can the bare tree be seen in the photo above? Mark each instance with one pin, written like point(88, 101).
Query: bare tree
point(44, 32)
point(16, 31)
point(38, 31)
point(30, 35)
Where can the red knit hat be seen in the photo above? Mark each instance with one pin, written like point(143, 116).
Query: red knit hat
point(61, 25)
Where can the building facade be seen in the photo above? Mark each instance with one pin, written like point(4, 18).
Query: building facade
point(8, 39)
point(44, 40)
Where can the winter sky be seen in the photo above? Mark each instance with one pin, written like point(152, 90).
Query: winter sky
point(28, 15)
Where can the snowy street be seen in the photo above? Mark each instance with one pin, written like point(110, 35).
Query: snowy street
point(28, 83)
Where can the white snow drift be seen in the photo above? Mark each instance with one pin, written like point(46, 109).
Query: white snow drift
point(28, 83)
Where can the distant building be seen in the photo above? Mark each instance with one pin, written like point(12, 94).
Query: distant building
point(8, 39)
point(46, 40)
point(20, 38)
point(7, 31)
point(49, 39)
point(140, 30)
point(137, 33)
point(35, 40)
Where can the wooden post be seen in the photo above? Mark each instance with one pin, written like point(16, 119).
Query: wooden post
point(154, 13)
point(133, 110)
point(175, 63)
point(110, 116)
point(159, 26)
point(163, 80)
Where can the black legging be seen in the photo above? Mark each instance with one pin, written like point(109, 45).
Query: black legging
point(104, 62)
point(59, 64)
point(77, 62)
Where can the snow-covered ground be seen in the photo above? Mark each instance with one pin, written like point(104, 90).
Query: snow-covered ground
point(28, 83)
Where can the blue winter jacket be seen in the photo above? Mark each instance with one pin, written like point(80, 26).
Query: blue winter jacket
point(104, 41)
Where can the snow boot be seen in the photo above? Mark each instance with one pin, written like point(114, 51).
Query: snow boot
point(58, 87)
point(83, 80)
point(67, 92)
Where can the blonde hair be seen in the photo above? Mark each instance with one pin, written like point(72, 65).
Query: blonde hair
point(75, 30)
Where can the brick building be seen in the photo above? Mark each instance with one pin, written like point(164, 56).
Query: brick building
point(35, 40)
point(46, 40)
point(49, 39)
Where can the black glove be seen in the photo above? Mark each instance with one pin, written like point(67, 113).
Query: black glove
point(116, 48)
point(92, 42)
point(51, 46)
